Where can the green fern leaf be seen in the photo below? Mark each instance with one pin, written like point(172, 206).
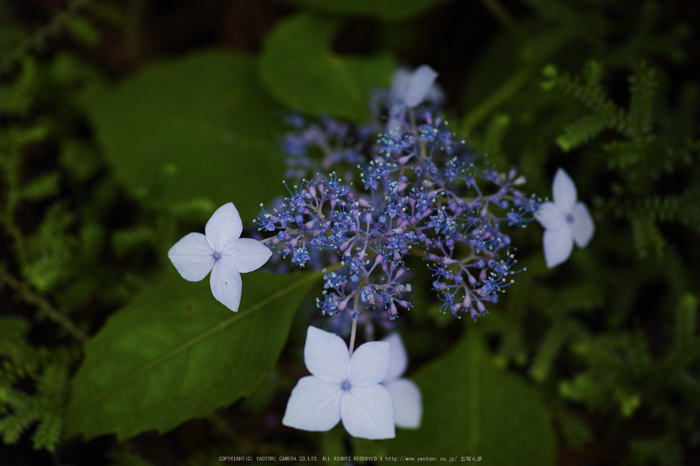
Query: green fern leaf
point(643, 87)
point(647, 236)
point(549, 349)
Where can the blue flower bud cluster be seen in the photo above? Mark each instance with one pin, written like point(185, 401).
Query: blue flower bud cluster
point(421, 193)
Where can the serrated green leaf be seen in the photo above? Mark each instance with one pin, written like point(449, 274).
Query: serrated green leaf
point(176, 353)
point(471, 408)
point(300, 70)
point(197, 127)
point(385, 9)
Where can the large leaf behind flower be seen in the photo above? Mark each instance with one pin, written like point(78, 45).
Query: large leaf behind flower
point(176, 353)
point(298, 68)
point(201, 126)
point(472, 408)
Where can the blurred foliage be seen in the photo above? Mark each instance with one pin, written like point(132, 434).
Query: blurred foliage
point(47, 371)
point(492, 414)
point(298, 69)
point(111, 149)
point(145, 126)
point(388, 9)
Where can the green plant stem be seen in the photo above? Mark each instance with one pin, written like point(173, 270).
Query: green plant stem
point(504, 17)
point(44, 306)
point(500, 95)
point(39, 37)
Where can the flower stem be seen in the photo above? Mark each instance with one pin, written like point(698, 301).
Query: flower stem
point(352, 334)
point(288, 230)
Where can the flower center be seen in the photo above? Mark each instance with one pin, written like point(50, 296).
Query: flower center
point(345, 386)
point(570, 218)
point(217, 256)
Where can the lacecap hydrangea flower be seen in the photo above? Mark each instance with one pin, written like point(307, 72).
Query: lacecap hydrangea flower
point(408, 407)
point(222, 252)
point(422, 192)
point(342, 387)
point(565, 221)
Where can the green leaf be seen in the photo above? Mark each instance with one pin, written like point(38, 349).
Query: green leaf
point(385, 9)
point(299, 69)
point(197, 127)
point(471, 408)
point(176, 353)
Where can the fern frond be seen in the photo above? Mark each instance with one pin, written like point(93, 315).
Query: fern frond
point(553, 341)
point(617, 366)
point(665, 451)
point(622, 154)
point(46, 408)
point(48, 433)
point(646, 235)
point(571, 299)
point(587, 89)
point(18, 96)
point(51, 249)
point(24, 411)
point(643, 85)
point(48, 370)
point(20, 361)
point(681, 351)
point(580, 132)
point(576, 432)
point(512, 344)
point(683, 208)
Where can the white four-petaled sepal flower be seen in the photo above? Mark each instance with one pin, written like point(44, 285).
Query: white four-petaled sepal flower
point(410, 89)
point(565, 221)
point(221, 251)
point(342, 387)
point(408, 407)
point(413, 87)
